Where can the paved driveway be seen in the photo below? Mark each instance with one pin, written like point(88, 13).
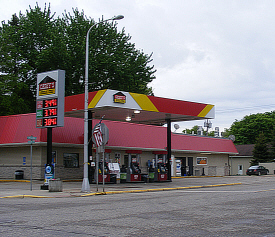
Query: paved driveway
point(245, 209)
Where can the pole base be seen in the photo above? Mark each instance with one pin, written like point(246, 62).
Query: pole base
point(44, 187)
point(85, 185)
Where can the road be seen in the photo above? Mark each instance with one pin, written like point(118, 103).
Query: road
point(236, 210)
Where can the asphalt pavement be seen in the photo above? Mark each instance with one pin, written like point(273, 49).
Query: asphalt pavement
point(27, 189)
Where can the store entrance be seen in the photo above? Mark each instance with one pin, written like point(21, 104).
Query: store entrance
point(190, 166)
point(183, 166)
point(187, 168)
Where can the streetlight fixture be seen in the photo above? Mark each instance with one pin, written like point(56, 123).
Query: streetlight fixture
point(85, 183)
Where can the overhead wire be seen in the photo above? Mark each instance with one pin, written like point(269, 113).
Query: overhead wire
point(244, 108)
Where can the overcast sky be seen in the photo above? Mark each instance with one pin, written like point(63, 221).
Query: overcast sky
point(208, 51)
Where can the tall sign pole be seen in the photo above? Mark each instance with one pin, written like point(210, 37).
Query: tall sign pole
point(50, 110)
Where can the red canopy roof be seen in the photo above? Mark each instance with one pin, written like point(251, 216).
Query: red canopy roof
point(123, 135)
point(152, 109)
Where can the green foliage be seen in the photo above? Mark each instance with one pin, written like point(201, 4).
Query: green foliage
point(248, 129)
point(210, 134)
point(194, 130)
point(272, 146)
point(260, 151)
point(226, 133)
point(37, 42)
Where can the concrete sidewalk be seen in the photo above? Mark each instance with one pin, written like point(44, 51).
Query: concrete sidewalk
point(22, 188)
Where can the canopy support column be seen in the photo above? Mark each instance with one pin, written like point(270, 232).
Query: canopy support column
point(90, 144)
point(169, 149)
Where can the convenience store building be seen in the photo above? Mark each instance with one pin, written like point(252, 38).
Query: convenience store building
point(142, 135)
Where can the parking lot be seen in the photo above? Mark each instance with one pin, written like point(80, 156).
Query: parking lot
point(240, 206)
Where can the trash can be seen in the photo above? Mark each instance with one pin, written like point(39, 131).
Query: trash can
point(123, 177)
point(19, 174)
point(151, 177)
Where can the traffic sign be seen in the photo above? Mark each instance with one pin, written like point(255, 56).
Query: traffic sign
point(32, 138)
point(105, 133)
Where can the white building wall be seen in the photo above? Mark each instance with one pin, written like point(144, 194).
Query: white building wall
point(216, 164)
point(11, 159)
point(235, 162)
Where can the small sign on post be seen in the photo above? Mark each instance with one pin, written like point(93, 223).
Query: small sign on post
point(24, 160)
point(31, 141)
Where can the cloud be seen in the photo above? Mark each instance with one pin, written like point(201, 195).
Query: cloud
point(217, 52)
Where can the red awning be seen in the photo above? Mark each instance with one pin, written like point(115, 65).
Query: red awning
point(122, 135)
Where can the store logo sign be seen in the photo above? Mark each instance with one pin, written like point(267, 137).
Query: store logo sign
point(47, 86)
point(119, 98)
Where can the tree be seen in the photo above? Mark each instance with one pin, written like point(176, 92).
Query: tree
point(260, 151)
point(248, 129)
point(272, 146)
point(194, 130)
point(36, 42)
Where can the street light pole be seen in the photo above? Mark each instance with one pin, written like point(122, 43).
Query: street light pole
point(85, 183)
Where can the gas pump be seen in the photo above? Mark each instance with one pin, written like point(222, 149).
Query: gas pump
point(161, 169)
point(92, 172)
point(106, 172)
point(133, 171)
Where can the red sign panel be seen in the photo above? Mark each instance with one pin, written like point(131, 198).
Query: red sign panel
point(46, 113)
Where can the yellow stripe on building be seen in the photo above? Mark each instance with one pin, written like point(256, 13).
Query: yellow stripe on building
point(144, 102)
point(205, 111)
point(95, 100)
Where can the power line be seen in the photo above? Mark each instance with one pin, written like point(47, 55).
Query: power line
point(244, 108)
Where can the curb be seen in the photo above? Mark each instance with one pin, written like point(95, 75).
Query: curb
point(201, 176)
point(157, 189)
point(128, 191)
point(26, 196)
point(15, 180)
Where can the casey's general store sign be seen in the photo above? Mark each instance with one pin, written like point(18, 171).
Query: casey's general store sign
point(119, 98)
point(50, 99)
point(47, 86)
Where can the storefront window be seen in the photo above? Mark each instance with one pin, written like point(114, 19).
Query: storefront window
point(71, 160)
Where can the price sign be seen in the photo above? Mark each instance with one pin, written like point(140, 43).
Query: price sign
point(47, 113)
point(50, 99)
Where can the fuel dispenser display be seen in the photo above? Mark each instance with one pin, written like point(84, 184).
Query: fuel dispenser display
point(106, 172)
point(161, 170)
point(133, 171)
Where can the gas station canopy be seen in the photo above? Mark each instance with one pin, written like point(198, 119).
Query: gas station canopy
point(137, 108)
